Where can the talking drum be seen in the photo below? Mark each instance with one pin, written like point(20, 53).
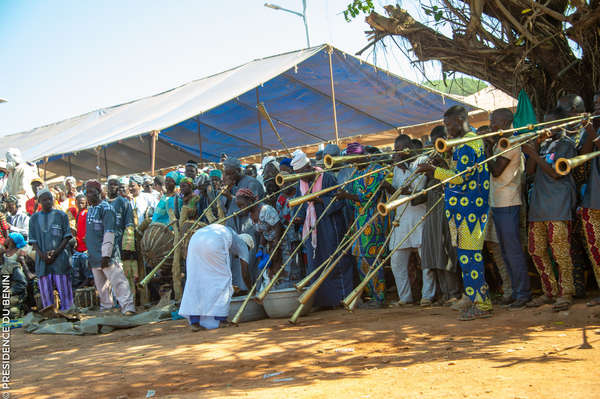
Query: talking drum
point(156, 244)
point(187, 234)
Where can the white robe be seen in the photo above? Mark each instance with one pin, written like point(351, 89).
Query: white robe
point(208, 287)
point(412, 215)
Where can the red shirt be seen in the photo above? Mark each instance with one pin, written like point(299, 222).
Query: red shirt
point(29, 206)
point(80, 221)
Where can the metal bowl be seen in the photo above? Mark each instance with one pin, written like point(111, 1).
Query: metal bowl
point(254, 311)
point(283, 303)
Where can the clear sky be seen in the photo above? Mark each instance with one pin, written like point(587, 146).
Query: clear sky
point(64, 58)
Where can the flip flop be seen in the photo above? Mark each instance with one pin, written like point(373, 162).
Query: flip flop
point(593, 302)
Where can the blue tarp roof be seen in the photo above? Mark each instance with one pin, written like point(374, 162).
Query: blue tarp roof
point(220, 111)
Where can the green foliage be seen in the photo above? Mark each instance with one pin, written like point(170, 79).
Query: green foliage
point(457, 86)
point(356, 7)
point(434, 12)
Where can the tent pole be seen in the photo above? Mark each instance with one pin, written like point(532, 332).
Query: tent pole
point(262, 155)
point(335, 124)
point(98, 168)
point(154, 136)
point(70, 167)
point(199, 138)
point(105, 163)
point(45, 168)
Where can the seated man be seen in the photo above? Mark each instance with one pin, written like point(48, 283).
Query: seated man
point(208, 286)
point(12, 268)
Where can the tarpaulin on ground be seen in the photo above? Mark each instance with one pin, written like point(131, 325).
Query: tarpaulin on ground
point(35, 323)
point(218, 114)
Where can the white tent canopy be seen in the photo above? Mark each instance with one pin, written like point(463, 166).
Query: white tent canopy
point(203, 118)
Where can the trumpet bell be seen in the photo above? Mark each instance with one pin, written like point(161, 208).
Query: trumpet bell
point(563, 166)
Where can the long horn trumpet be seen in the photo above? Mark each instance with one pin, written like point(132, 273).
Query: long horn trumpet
point(311, 196)
point(443, 145)
point(348, 302)
point(563, 166)
point(330, 161)
point(283, 178)
point(396, 203)
point(344, 241)
point(384, 208)
point(506, 142)
point(237, 316)
point(261, 295)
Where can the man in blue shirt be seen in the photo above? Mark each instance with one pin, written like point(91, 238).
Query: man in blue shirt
point(103, 252)
point(124, 231)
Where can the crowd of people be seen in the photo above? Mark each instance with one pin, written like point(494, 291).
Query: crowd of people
point(472, 239)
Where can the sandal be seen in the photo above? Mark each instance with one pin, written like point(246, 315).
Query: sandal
point(561, 304)
point(593, 302)
point(539, 301)
point(474, 313)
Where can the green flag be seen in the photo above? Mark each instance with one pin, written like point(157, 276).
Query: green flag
point(525, 113)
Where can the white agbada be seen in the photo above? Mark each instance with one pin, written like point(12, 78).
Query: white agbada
point(412, 215)
point(208, 287)
point(141, 203)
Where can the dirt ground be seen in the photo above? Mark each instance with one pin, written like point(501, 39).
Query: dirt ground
point(389, 353)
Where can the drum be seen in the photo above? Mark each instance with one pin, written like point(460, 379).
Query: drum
point(156, 243)
point(185, 228)
point(86, 297)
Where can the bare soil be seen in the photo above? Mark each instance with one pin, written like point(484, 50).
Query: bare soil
point(409, 352)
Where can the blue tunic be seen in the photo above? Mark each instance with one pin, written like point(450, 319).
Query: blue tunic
point(47, 230)
point(123, 219)
point(100, 219)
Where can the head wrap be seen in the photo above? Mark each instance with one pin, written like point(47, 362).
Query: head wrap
point(216, 173)
point(11, 199)
point(70, 179)
point(331, 149)
point(186, 180)
point(111, 177)
point(201, 179)
point(247, 238)
point(232, 163)
point(148, 179)
point(286, 161)
point(45, 191)
point(123, 180)
point(36, 180)
point(193, 163)
point(268, 215)
point(246, 193)
point(18, 239)
point(93, 183)
point(14, 155)
point(176, 176)
point(137, 179)
point(268, 160)
point(299, 160)
point(354, 149)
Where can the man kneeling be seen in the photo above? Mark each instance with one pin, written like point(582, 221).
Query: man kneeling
point(208, 288)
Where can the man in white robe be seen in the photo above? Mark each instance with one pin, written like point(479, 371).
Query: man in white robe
point(208, 287)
